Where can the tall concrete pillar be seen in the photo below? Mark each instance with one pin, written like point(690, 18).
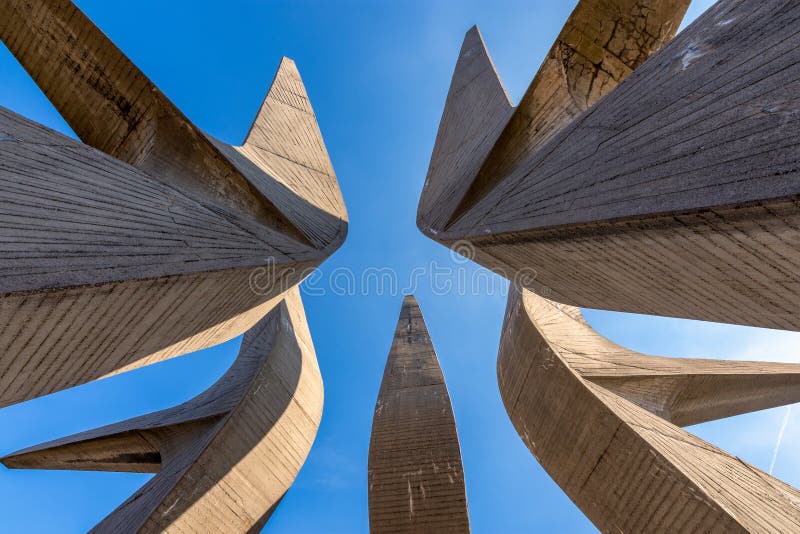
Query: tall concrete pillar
point(416, 480)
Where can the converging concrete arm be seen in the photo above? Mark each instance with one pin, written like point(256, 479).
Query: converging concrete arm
point(247, 435)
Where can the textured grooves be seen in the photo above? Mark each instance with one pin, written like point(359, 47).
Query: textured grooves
point(55, 340)
point(111, 248)
point(416, 480)
point(714, 133)
point(225, 458)
point(677, 189)
point(104, 269)
point(75, 216)
point(601, 43)
point(286, 140)
point(744, 260)
point(475, 112)
point(112, 106)
point(626, 468)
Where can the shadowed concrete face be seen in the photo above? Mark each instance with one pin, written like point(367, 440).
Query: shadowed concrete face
point(601, 419)
point(114, 245)
point(247, 436)
point(673, 194)
point(416, 481)
point(675, 189)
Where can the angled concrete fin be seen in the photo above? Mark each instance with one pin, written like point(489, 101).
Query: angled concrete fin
point(112, 106)
point(684, 391)
point(104, 267)
point(113, 448)
point(475, 112)
point(415, 475)
point(247, 435)
point(113, 245)
point(601, 43)
point(285, 144)
point(696, 391)
point(616, 452)
point(673, 195)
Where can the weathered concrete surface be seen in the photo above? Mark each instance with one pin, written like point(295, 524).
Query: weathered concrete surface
point(601, 420)
point(112, 248)
point(416, 481)
point(225, 458)
point(674, 194)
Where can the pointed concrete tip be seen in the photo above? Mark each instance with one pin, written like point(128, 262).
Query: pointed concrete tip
point(284, 77)
point(17, 459)
point(286, 68)
point(475, 111)
point(474, 37)
point(409, 299)
point(287, 61)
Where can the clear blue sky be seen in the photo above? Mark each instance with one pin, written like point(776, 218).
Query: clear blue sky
point(377, 74)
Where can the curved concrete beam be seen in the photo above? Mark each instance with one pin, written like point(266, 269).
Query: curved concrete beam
point(223, 459)
point(675, 190)
point(601, 420)
point(110, 250)
point(415, 476)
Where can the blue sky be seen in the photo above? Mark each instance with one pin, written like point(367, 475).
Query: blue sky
point(377, 74)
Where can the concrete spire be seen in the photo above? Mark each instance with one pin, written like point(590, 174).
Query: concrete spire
point(416, 481)
point(475, 112)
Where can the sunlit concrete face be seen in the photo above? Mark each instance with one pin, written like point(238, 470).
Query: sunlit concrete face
point(248, 435)
point(149, 240)
point(141, 244)
point(604, 422)
point(415, 476)
point(645, 174)
point(674, 189)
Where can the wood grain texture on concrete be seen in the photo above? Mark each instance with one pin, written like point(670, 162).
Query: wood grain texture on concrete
point(677, 188)
point(112, 247)
point(223, 459)
point(415, 475)
point(603, 422)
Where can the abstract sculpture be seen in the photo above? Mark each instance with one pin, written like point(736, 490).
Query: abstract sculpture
point(142, 245)
point(675, 190)
point(604, 423)
point(151, 240)
point(225, 458)
point(674, 194)
point(416, 482)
